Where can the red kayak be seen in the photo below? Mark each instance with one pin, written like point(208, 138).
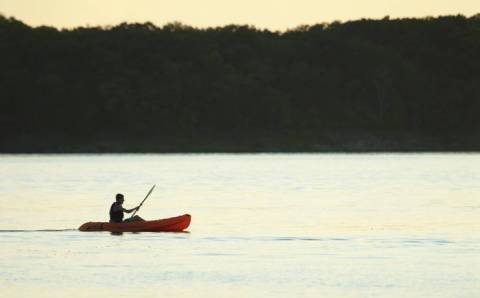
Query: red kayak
point(173, 224)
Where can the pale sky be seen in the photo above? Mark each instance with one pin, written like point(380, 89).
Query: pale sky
point(271, 14)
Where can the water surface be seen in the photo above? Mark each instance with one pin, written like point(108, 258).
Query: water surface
point(263, 225)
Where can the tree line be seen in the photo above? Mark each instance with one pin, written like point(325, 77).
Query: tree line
point(389, 84)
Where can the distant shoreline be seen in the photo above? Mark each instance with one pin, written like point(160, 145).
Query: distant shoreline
point(403, 85)
point(322, 143)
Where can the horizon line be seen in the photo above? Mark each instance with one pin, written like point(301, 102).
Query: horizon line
point(253, 26)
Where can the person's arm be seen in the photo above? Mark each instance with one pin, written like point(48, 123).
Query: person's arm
point(118, 207)
point(130, 210)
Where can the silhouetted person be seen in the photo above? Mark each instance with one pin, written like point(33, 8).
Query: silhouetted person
point(116, 211)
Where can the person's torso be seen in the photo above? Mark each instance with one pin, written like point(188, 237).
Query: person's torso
point(116, 215)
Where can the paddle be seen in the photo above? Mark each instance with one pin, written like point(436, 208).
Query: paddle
point(143, 200)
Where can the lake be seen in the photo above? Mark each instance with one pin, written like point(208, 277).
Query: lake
point(263, 225)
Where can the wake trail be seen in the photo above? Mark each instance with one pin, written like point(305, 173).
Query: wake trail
point(37, 230)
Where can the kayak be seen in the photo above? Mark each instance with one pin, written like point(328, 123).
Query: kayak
point(173, 224)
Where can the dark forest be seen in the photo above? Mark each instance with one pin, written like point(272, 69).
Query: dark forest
point(358, 86)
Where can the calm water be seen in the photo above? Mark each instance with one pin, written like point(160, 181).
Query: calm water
point(268, 225)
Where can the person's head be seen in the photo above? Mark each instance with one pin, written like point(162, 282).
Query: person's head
point(119, 198)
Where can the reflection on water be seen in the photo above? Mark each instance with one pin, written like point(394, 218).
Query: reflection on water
point(284, 225)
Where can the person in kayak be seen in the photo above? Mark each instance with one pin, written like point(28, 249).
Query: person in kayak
point(117, 210)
